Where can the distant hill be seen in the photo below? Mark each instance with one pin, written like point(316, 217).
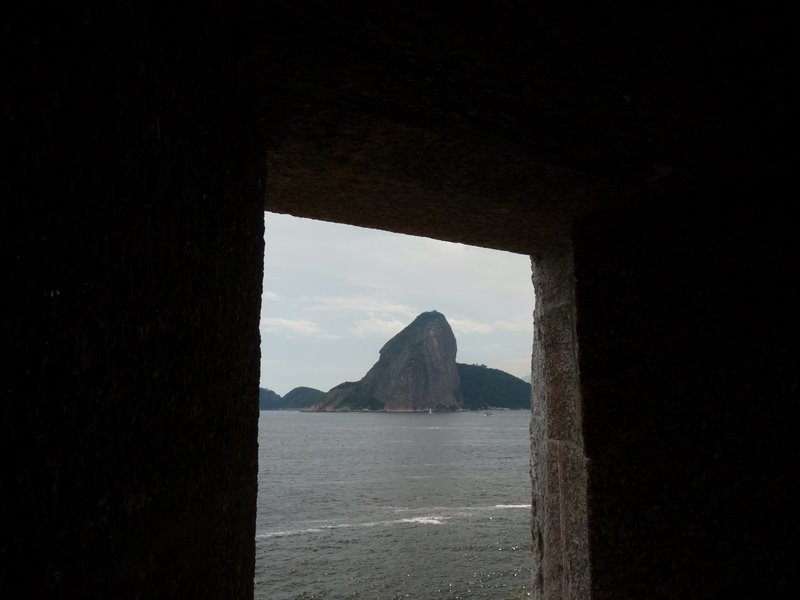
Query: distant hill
point(417, 371)
point(301, 397)
point(483, 387)
point(268, 400)
point(297, 399)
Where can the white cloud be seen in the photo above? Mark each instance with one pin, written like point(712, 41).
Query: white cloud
point(524, 326)
point(377, 326)
point(361, 304)
point(265, 295)
point(465, 325)
point(297, 326)
point(470, 326)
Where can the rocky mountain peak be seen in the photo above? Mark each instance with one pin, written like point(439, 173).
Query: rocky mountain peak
point(416, 371)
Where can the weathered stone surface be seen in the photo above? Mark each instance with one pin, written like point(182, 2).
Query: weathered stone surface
point(558, 462)
point(131, 229)
point(416, 371)
point(688, 362)
point(131, 303)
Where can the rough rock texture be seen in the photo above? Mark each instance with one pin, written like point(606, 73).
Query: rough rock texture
point(538, 113)
point(132, 191)
point(688, 363)
point(561, 552)
point(416, 371)
point(132, 223)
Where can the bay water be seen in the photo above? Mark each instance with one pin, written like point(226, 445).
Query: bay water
point(393, 505)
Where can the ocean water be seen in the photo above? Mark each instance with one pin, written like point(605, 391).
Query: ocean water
point(384, 506)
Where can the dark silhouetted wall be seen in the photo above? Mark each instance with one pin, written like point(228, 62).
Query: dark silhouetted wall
point(688, 329)
point(132, 235)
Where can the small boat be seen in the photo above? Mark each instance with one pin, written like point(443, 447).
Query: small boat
point(489, 413)
point(430, 411)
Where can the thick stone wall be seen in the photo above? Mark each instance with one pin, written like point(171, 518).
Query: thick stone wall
point(665, 358)
point(558, 461)
point(687, 327)
point(132, 237)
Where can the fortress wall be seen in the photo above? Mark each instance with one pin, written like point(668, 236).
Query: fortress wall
point(558, 460)
point(133, 230)
point(665, 362)
point(687, 335)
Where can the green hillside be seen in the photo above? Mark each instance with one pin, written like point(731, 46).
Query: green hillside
point(301, 397)
point(268, 400)
point(298, 398)
point(483, 387)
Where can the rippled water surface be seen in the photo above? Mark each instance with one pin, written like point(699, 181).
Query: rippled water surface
point(372, 505)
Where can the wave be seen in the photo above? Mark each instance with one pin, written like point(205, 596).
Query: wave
point(426, 520)
point(463, 510)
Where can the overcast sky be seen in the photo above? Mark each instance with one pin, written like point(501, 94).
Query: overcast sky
point(334, 294)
